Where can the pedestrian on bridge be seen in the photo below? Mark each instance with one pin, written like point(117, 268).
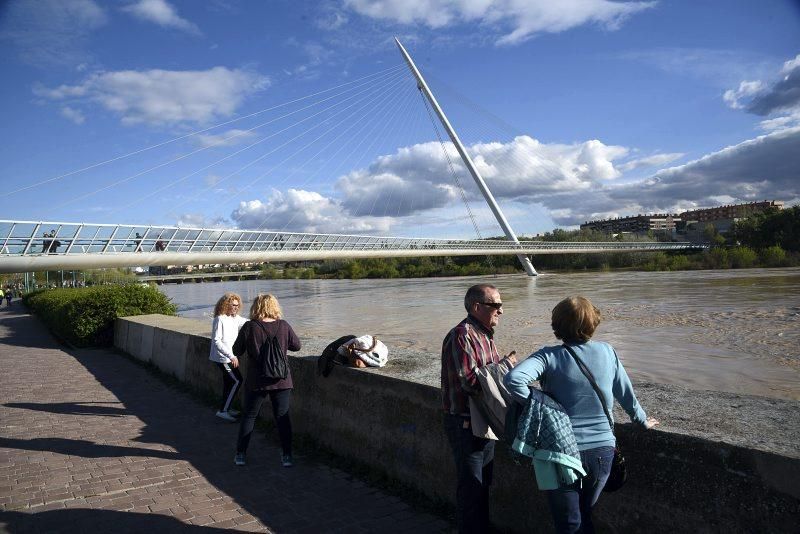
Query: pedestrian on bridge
point(266, 338)
point(224, 329)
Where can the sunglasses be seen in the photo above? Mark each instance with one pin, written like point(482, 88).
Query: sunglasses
point(495, 305)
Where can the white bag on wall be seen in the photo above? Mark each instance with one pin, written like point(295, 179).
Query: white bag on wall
point(369, 349)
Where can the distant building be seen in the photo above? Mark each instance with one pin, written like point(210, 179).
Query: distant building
point(731, 211)
point(659, 223)
point(690, 224)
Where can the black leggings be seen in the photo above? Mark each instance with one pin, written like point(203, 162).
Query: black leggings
point(280, 411)
point(231, 380)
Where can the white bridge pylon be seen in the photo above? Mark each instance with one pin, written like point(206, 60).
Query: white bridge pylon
point(41, 246)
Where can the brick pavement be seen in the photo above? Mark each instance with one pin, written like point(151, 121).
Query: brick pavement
point(90, 441)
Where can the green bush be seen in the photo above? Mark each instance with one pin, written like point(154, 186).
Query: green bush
point(85, 316)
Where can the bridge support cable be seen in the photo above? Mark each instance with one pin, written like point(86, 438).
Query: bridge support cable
point(392, 77)
point(487, 194)
point(197, 132)
point(376, 101)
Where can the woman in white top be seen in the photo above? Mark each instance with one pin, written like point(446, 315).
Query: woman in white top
point(224, 330)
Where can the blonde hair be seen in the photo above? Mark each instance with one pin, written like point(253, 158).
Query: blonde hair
point(265, 307)
point(224, 302)
point(575, 319)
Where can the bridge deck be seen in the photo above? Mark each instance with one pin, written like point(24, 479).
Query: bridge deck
point(29, 246)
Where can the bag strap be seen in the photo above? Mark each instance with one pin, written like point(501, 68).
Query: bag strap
point(588, 374)
point(352, 346)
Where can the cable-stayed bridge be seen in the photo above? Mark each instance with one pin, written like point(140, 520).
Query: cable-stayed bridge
point(38, 246)
point(35, 246)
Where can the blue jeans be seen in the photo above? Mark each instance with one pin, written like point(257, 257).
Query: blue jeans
point(571, 505)
point(474, 458)
point(253, 400)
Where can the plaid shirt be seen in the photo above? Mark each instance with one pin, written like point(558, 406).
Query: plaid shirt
point(467, 346)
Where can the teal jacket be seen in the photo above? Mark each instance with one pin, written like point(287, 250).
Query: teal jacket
point(544, 433)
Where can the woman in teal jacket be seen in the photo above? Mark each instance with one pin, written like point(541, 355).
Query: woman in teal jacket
point(574, 321)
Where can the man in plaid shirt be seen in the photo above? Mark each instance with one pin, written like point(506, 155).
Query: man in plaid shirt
point(467, 346)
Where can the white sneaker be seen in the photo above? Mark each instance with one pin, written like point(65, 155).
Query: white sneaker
point(234, 413)
point(228, 417)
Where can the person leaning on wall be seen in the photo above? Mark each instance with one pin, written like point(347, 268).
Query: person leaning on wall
point(574, 321)
point(467, 346)
point(224, 330)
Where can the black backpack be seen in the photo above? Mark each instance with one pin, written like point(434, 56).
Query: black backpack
point(272, 363)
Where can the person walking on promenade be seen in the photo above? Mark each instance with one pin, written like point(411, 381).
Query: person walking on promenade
point(467, 346)
point(9, 296)
point(265, 326)
point(574, 321)
point(224, 329)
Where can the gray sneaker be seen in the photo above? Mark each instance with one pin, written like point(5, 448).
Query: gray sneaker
point(286, 460)
point(227, 416)
point(239, 459)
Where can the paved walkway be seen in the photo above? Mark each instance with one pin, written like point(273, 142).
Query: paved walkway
point(90, 441)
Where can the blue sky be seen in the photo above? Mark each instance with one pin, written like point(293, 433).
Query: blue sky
point(301, 115)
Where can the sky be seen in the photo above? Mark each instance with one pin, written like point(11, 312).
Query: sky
point(302, 116)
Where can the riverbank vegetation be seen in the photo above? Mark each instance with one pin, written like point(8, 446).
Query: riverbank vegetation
point(769, 239)
point(85, 316)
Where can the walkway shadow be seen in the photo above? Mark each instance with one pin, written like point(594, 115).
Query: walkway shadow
point(284, 499)
point(20, 333)
point(83, 448)
point(87, 520)
point(71, 408)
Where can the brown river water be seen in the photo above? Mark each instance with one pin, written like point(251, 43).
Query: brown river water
point(736, 330)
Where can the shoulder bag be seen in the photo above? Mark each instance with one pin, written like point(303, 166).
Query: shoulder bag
point(619, 470)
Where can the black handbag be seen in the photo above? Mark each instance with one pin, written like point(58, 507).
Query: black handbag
point(619, 468)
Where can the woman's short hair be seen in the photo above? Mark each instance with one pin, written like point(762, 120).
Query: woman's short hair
point(575, 319)
point(224, 302)
point(265, 307)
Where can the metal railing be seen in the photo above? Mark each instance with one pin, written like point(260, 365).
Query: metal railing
point(27, 238)
point(29, 246)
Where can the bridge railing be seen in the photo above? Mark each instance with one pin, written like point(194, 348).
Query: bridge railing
point(30, 238)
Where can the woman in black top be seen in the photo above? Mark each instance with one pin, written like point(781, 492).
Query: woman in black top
point(265, 323)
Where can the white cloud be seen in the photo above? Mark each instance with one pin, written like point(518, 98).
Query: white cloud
point(524, 18)
point(162, 13)
point(230, 138)
point(767, 167)
point(656, 160)
point(199, 220)
point(732, 97)
point(778, 100)
point(791, 65)
point(51, 32)
point(418, 178)
point(73, 114)
point(303, 211)
point(162, 96)
point(574, 182)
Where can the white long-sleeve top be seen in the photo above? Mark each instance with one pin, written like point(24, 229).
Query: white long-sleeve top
point(223, 334)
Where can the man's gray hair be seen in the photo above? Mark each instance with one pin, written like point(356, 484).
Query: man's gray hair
point(476, 294)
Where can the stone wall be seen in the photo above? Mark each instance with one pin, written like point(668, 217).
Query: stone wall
point(677, 482)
